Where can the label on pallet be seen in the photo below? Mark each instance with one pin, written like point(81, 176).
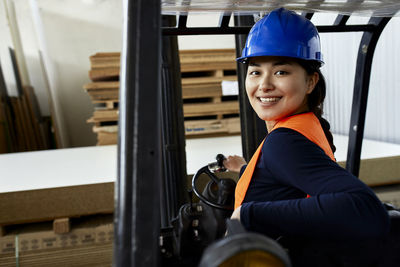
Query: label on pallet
point(230, 88)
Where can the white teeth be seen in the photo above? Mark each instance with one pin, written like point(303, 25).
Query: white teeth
point(269, 99)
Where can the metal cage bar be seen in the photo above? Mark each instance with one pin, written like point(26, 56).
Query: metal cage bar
point(360, 93)
point(173, 133)
point(137, 212)
point(245, 29)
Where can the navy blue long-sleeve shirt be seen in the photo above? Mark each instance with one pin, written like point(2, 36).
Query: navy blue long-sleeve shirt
point(290, 167)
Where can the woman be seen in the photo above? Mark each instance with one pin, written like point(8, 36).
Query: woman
point(293, 186)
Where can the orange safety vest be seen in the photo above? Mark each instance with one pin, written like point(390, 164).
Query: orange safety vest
point(305, 123)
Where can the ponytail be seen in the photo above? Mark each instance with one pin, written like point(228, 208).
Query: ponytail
point(316, 98)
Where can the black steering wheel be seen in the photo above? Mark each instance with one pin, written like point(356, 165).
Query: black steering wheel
point(224, 186)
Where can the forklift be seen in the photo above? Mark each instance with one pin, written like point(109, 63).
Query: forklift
point(156, 221)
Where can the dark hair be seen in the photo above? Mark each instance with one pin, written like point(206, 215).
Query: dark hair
point(316, 99)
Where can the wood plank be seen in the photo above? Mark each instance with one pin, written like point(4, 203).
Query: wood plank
point(105, 55)
point(207, 59)
point(11, 125)
point(106, 129)
point(106, 114)
point(19, 131)
point(200, 91)
point(106, 103)
point(101, 85)
point(5, 139)
point(207, 55)
point(104, 74)
point(6, 124)
point(203, 86)
point(47, 204)
point(192, 67)
point(104, 138)
point(39, 125)
point(4, 146)
point(100, 63)
point(207, 80)
point(205, 109)
point(61, 225)
point(27, 120)
point(104, 95)
point(98, 121)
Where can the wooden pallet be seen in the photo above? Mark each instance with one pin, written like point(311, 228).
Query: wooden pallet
point(204, 106)
point(108, 64)
point(104, 67)
point(105, 60)
point(209, 109)
point(104, 116)
point(106, 104)
point(203, 86)
point(202, 60)
point(102, 90)
point(107, 74)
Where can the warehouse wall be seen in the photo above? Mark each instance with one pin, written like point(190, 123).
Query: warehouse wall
point(76, 29)
point(73, 30)
point(340, 51)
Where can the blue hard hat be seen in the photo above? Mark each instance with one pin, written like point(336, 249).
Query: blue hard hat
point(283, 33)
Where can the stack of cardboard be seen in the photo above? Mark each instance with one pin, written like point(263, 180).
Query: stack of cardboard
point(103, 92)
point(83, 246)
point(207, 110)
point(62, 226)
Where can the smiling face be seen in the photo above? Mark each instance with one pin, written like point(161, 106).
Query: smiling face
point(277, 87)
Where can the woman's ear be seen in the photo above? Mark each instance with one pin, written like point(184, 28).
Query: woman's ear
point(312, 82)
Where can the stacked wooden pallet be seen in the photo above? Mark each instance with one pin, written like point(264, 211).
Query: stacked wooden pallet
point(207, 110)
point(104, 91)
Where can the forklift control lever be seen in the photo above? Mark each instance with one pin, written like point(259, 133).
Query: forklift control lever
point(217, 166)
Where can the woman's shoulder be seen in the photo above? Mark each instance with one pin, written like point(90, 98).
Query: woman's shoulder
point(283, 134)
point(284, 142)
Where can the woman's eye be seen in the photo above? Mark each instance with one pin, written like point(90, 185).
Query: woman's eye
point(281, 72)
point(254, 72)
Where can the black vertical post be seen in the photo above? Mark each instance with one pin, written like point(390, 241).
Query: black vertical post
point(137, 211)
point(174, 178)
point(253, 129)
point(360, 93)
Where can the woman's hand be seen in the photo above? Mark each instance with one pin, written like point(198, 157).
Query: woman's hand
point(234, 163)
point(236, 214)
